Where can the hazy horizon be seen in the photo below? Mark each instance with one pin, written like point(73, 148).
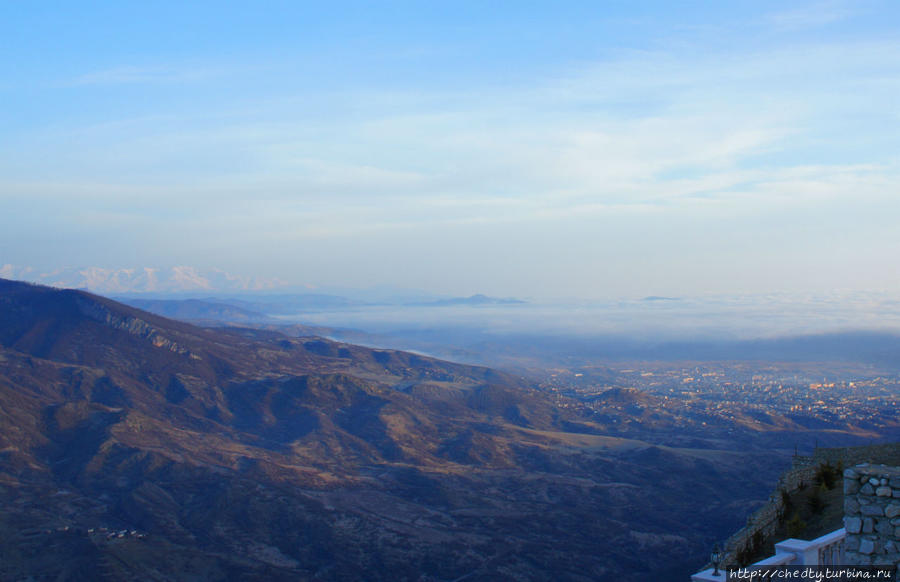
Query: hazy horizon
point(394, 309)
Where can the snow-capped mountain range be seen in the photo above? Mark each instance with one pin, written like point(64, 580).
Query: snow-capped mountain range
point(141, 279)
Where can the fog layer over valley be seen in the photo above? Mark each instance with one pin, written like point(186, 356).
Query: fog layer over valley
point(714, 317)
point(771, 327)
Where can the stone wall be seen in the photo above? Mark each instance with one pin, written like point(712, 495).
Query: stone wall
point(886, 454)
point(872, 514)
point(763, 522)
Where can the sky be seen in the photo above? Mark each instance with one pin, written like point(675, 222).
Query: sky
point(532, 149)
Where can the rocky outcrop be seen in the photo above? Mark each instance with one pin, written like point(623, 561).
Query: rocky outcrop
point(132, 325)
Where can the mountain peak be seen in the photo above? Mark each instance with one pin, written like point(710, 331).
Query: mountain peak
point(176, 279)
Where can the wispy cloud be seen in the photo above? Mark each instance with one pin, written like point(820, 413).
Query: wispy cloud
point(812, 15)
point(644, 158)
point(151, 75)
point(588, 136)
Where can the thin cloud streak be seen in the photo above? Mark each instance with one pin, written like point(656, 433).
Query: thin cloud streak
point(813, 15)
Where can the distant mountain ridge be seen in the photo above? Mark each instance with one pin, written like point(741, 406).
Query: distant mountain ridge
point(184, 281)
point(477, 299)
point(196, 310)
point(177, 279)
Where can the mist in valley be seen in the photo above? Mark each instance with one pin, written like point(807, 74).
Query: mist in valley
point(857, 326)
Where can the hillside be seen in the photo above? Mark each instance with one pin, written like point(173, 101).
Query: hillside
point(195, 310)
point(134, 446)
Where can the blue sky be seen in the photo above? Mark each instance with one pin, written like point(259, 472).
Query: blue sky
point(594, 149)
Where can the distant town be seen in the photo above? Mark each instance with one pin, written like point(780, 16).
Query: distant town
point(839, 398)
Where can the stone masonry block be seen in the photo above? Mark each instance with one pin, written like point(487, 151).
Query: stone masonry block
point(872, 510)
point(866, 547)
